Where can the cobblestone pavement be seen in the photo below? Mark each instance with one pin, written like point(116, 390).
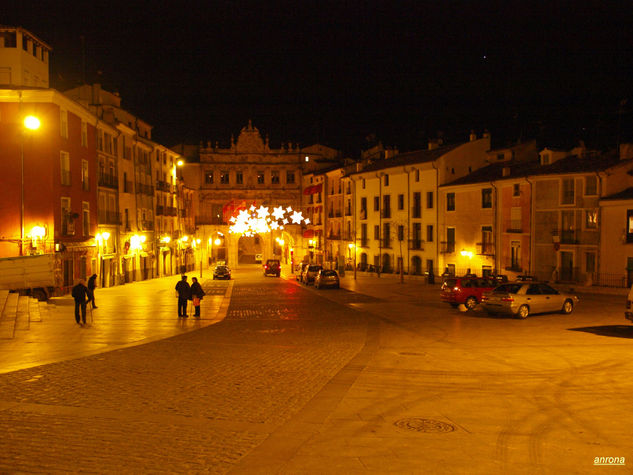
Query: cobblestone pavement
point(193, 403)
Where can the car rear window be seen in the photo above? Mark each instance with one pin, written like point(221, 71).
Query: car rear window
point(328, 272)
point(314, 268)
point(508, 288)
point(451, 282)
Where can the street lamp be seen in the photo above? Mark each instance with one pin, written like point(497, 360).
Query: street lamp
point(30, 123)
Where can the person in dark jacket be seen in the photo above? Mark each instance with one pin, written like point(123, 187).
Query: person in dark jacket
point(184, 294)
point(92, 285)
point(196, 294)
point(80, 294)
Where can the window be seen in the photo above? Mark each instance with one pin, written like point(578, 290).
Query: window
point(516, 214)
point(274, 177)
point(107, 138)
point(84, 134)
point(400, 202)
point(377, 233)
point(429, 233)
point(85, 217)
point(239, 178)
point(591, 219)
point(363, 183)
point(85, 176)
point(10, 39)
point(590, 262)
point(515, 255)
point(487, 245)
point(486, 198)
point(400, 232)
point(417, 205)
point(68, 225)
point(591, 185)
point(429, 199)
point(567, 191)
point(387, 235)
point(450, 201)
point(386, 180)
point(290, 177)
point(363, 234)
point(417, 175)
point(516, 190)
point(63, 123)
point(363, 208)
point(25, 43)
point(629, 225)
point(386, 206)
point(376, 203)
point(260, 178)
point(450, 240)
point(208, 178)
point(224, 177)
point(64, 164)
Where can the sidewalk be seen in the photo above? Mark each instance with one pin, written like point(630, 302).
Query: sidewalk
point(150, 314)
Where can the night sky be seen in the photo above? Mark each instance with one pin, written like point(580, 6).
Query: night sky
point(347, 73)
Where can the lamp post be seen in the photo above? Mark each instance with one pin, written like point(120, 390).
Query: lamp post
point(30, 123)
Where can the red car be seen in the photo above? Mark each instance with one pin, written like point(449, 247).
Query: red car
point(465, 290)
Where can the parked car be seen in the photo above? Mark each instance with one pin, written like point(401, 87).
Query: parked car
point(327, 278)
point(272, 267)
point(524, 298)
point(309, 273)
point(222, 272)
point(299, 270)
point(465, 290)
point(628, 313)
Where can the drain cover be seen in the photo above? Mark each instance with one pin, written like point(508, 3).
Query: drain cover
point(424, 425)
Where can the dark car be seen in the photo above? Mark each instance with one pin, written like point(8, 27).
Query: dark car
point(326, 278)
point(221, 272)
point(465, 290)
point(272, 267)
point(310, 273)
point(628, 312)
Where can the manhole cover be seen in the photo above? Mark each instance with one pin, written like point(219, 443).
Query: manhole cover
point(424, 425)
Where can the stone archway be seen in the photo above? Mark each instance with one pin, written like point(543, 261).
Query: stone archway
point(250, 249)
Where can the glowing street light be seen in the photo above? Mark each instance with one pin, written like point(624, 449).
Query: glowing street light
point(30, 123)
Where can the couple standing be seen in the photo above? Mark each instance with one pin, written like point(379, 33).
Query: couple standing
point(188, 292)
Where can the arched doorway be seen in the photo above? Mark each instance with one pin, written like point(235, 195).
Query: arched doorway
point(249, 249)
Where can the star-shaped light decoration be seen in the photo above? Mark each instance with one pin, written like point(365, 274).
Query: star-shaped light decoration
point(296, 217)
point(262, 212)
point(252, 208)
point(278, 213)
point(306, 221)
point(274, 225)
point(289, 209)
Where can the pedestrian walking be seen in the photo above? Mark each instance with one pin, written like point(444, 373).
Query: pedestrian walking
point(80, 294)
point(184, 294)
point(92, 285)
point(196, 296)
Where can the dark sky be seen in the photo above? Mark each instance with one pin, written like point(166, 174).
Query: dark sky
point(340, 71)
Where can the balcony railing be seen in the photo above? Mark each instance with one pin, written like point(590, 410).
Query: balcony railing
point(147, 225)
point(160, 210)
point(209, 220)
point(569, 237)
point(109, 181)
point(171, 211)
point(447, 247)
point(416, 244)
point(364, 242)
point(486, 248)
point(163, 186)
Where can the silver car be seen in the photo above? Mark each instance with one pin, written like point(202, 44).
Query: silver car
point(523, 298)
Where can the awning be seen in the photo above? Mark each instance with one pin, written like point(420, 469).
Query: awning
point(311, 190)
point(308, 233)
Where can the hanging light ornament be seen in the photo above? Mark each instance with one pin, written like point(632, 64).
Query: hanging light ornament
point(251, 221)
